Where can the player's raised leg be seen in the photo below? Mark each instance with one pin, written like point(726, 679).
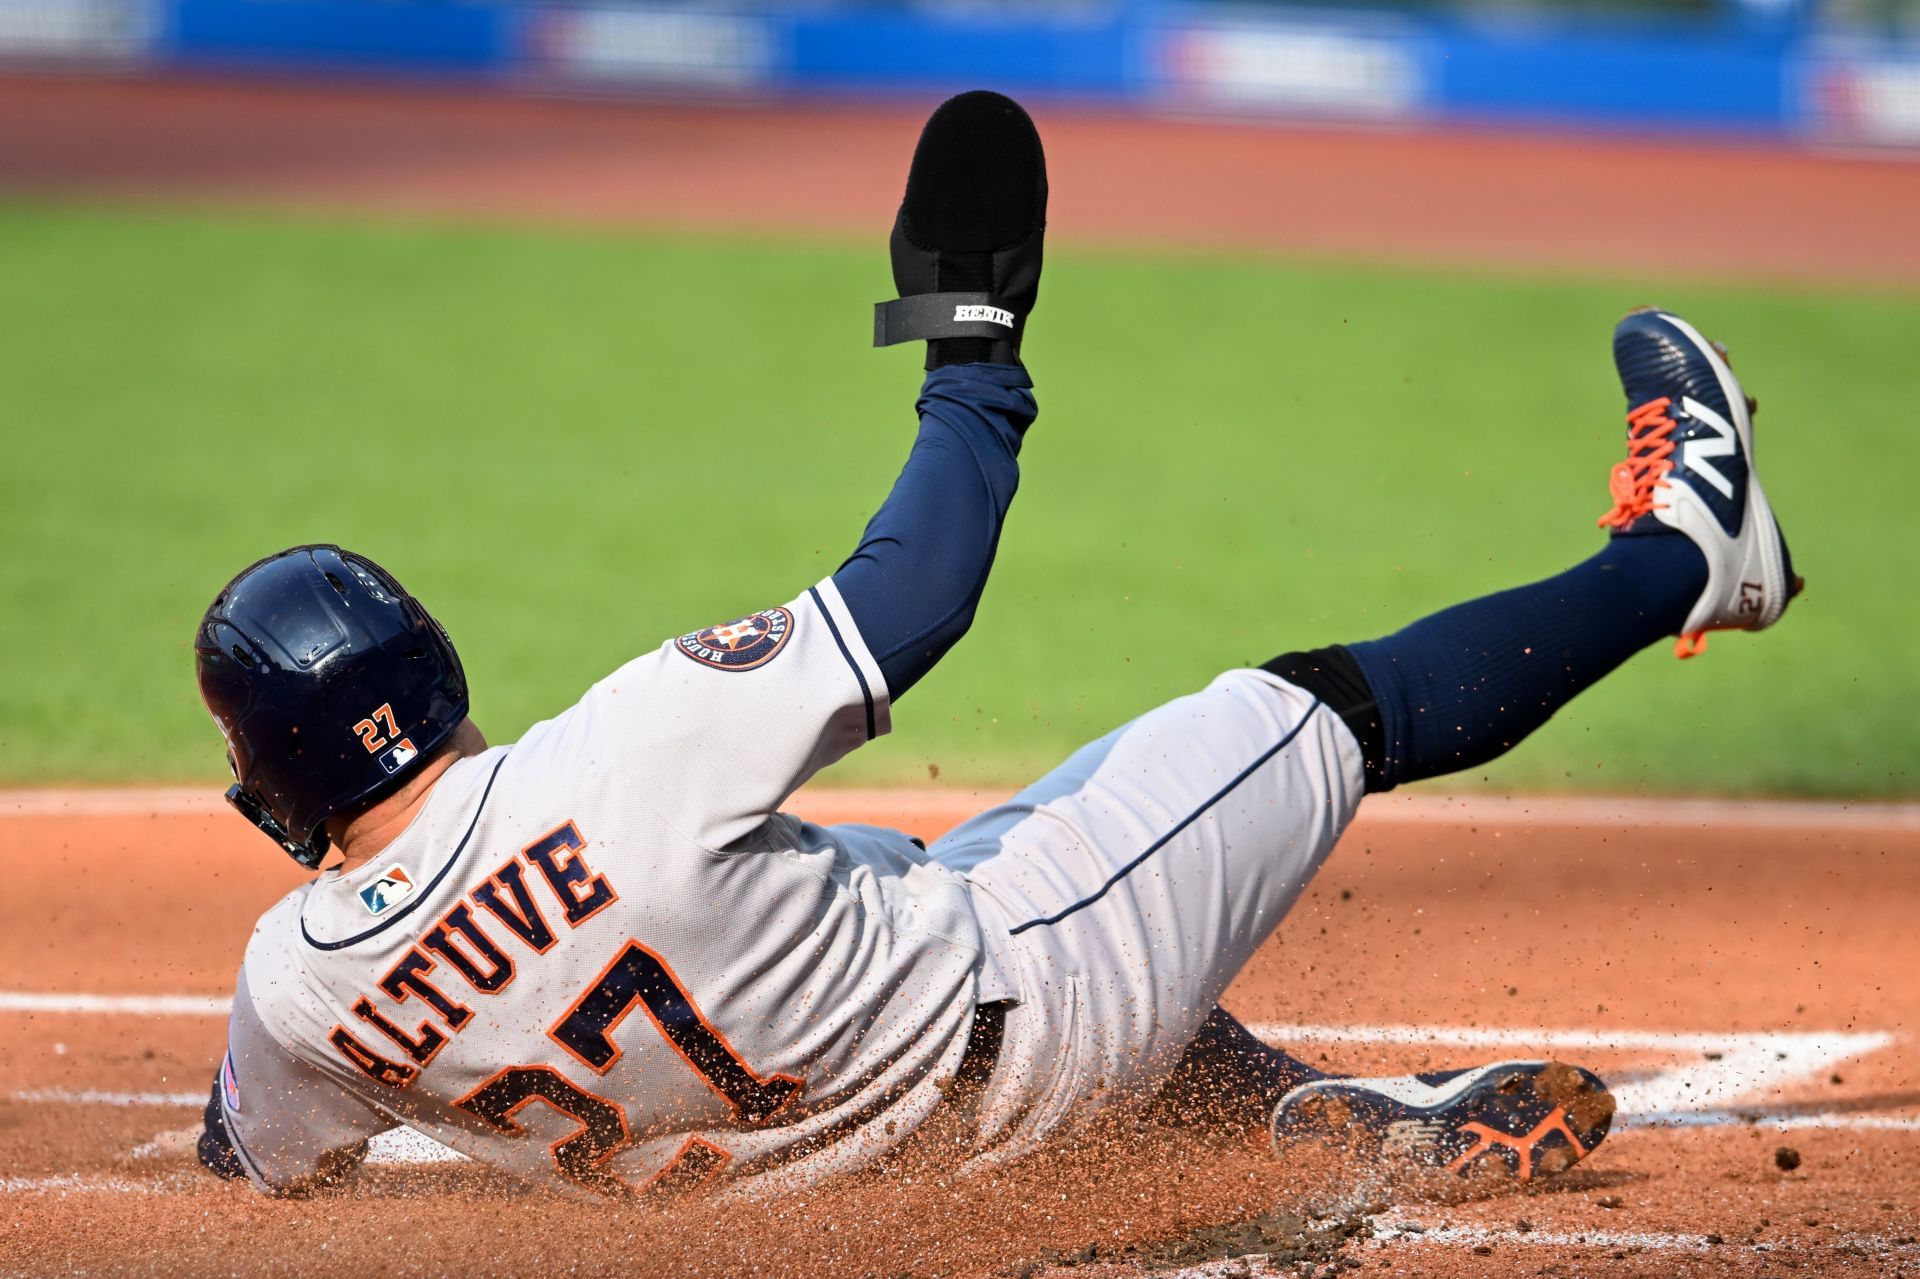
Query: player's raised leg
point(1160, 851)
point(1694, 547)
point(1121, 893)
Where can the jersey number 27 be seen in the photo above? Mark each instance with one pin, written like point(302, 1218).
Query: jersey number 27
point(636, 977)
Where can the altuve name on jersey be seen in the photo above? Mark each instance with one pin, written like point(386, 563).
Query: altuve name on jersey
point(482, 965)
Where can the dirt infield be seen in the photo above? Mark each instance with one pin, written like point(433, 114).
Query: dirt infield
point(1742, 975)
point(1509, 202)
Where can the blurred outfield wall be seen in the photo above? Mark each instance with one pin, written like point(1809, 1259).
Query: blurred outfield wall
point(1837, 70)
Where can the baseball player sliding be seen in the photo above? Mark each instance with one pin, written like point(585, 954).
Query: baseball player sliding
point(603, 959)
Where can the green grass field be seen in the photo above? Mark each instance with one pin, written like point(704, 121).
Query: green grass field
point(574, 445)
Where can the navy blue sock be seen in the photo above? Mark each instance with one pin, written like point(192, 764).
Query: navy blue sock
point(1228, 1079)
point(1463, 686)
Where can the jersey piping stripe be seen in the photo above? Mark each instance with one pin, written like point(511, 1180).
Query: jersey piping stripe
point(1184, 822)
point(418, 897)
point(847, 653)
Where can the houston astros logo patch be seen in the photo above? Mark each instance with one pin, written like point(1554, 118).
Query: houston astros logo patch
point(742, 644)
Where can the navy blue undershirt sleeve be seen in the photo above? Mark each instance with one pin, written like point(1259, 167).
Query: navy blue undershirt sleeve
point(916, 578)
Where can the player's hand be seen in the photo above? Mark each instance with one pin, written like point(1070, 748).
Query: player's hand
point(966, 245)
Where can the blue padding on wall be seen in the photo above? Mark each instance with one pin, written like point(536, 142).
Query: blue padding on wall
point(1705, 77)
point(1722, 73)
point(343, 34)
point(905, 50)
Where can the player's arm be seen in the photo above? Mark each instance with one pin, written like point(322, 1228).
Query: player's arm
point(276, 1121)
point(915, 580)
point(966, 251)
point(767, 701)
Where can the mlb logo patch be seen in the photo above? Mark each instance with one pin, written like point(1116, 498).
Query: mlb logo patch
point(399, 756)
point(387, 891)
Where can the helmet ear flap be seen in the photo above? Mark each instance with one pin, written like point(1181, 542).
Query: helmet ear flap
point(310, 854)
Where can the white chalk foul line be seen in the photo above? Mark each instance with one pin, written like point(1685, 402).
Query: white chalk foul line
point(395, 1146)
point(949, 804)
point(102, 1097)
point(35, 1001)
point(1709, 1070)
point(1700, 1087)
point(407, 1146)
point(124, 801)
point(1422, 1233)
point(1573, 811)
point(1417, 1232)
point(68, 1183)
point(1759, 1118)
point(1395, 1232)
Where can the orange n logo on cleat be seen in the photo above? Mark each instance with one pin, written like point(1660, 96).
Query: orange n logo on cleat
point(1487, 1138)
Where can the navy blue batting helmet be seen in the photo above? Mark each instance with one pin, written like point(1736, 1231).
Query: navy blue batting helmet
point(331, 684)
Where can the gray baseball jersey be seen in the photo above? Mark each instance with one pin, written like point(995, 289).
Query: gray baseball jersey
point(802, 991)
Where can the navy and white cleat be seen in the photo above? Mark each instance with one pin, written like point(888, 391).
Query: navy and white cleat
point(1690, 467)
point(1514, 1119)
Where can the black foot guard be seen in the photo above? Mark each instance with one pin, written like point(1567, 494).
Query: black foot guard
point(966, 246)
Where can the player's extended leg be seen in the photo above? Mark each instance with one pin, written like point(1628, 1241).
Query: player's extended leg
point(1695, 547)
point(1104, 917)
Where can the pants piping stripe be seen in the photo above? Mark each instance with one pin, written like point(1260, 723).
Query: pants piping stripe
point(1184, 822)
